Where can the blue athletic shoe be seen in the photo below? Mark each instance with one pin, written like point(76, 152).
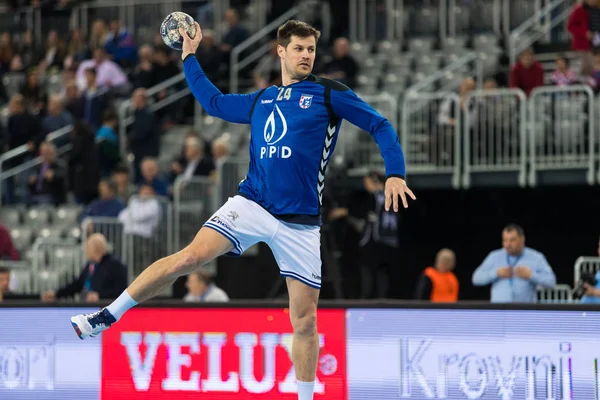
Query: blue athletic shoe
point(90, 325)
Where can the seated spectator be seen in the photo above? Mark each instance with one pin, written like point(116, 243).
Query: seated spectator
point(592, 293)
point(150, 177)
point(220, 151)
point(22, 128)
point(108, 205)
point(236, 33)
point(34, 93)
point(109, 74)
point(84, 168)
point(124, 188)
point(202, 289)
point(108, 143)
point(54, 53)
point(78, 49)
point(595, 75)
point(6, 55)
point(195, 163)
point(120, 45)
point(527, 73)
point(342, 66)
point(16, 64)
point(143, 75)
point(29, 50)
point(140, 220)
point(438, 283)
point(211, 56)
point(144, 132)
point(57, 117)
point(7, 248)
point(268, 70)
point(48, 185)
point(4, 281)
point(74, 103)
point(563, 75)
point(99, 34)
point(515, 271)
point(103, 277)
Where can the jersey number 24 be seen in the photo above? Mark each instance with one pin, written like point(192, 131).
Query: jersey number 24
point(284, 93)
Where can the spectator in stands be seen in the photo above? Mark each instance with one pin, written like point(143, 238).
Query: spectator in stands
point(6, 54)
point(140, 220)
point(103, 277)
point(125, 189)
point(142, 76)
point(195, 163)
point(581, 36)
point(108, 74)
point(74, 103)
point(48, 185)
point(83, 164)
point(211, 56)
point(527, 73)
point(7, 248)
point(57, 117)
point(438, 283)
point(268, 70)
point(107, 205)
point(515, 271)
point(108, 143)
point(34, 93)
point(144, 132)
point(120, 44)
point(220, 151)
point(592, 293)
point(4, 281)
point(54, 52)
point(342, 66)
point(16, 64)
point(78, 49)
point(563, 75)
point(201, 288)
point(379, 240)
point(94, 100)
point(150, 177)
point(22, 128)
point(99, 34)
point(163, 69)
point(28, 50)
point(236, 33)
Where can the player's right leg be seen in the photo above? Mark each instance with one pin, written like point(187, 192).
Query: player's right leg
point(206, 246)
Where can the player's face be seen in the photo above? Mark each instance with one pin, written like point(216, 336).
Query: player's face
point(299, 56)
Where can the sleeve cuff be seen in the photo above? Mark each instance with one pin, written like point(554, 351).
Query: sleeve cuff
point(188, 56)
point(395, 176)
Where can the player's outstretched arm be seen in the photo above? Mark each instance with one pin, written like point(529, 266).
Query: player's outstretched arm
point(347, 105)
point(230, 107)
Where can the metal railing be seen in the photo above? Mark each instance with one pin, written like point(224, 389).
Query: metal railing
point(430, 136)
point(495, 133)
point(441, 76)
point(562, 130)
point(195, 200)
point(56, 262)
point(537, 27)
point(560, 294)
point(589, 265)
point(112, 229)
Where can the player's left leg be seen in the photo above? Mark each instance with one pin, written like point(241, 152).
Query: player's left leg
point(305, 347)
point(297, 249)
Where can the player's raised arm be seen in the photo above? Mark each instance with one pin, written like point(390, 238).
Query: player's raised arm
point(347, 105)
point(230, 107)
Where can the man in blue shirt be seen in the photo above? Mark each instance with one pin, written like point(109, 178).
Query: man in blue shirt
point(515, 271)
point(293, 133)
point(592, 293)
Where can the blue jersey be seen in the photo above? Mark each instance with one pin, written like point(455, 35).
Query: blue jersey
point(293, 131)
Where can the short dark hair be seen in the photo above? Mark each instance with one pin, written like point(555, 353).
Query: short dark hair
point(109, 115)
point(295, 28)
point(91, 70)
point(514, 228)
point(121, 169)
point(376, 176)
point(4, 270)
point(110, 184)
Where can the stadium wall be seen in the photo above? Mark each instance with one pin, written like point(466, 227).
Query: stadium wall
point(242, 351)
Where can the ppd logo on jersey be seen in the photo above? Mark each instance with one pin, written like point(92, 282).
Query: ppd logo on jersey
point(224, 353)
point(275, 130)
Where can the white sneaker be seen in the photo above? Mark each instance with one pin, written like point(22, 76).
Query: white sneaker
point(90, 325)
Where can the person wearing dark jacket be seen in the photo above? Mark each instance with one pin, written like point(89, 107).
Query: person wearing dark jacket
point(438, 284)
point(144, 133)
point(108, 205)
point(103, 277)
point(48, 185)
point(83, 164)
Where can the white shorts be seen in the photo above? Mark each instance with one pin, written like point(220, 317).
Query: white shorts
point(297, 248)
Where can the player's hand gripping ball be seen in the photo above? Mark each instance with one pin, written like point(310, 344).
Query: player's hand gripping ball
point(169, 30)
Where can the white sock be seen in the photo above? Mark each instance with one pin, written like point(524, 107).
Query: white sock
point(306, 390)
point(120, 306)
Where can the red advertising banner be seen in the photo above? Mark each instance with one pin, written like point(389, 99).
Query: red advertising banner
point(215, 354)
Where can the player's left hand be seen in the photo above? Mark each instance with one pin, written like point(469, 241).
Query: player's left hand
point(394, 188)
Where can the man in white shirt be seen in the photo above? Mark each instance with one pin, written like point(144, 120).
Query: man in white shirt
point(202, 289)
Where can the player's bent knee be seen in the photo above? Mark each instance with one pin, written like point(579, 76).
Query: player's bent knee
point(305, 324)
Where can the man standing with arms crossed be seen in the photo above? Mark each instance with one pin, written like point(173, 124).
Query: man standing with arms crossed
point(293, 133)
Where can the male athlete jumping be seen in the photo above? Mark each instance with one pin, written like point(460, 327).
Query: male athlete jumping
point(293, 133)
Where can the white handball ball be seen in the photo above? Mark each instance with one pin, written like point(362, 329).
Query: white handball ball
point(169, 30)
